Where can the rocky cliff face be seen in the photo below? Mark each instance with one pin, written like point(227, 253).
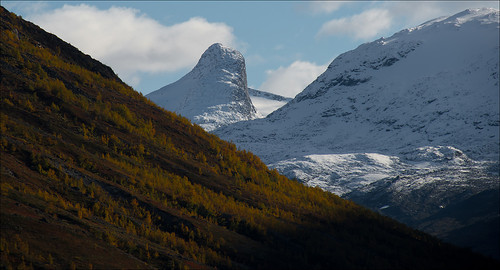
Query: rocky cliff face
point(214, 93)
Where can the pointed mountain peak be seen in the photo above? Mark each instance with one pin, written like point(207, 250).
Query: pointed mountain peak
point(214, 93)
point(218, 56)
point(220, 48)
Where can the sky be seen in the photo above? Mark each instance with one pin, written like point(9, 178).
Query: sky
point(286, 44)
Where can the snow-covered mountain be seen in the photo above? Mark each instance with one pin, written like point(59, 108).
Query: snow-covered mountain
point(214, 93)
point(435, 84)
point(396, 118)
point(265, 102)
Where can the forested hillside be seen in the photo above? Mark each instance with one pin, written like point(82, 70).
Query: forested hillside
point(93, 175)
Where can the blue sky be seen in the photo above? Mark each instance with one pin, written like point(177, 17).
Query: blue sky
point(286, 44)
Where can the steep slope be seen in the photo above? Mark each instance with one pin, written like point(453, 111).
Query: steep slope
point(93, 175)
point(265, 102)
point(214, 93)
point(413, 112)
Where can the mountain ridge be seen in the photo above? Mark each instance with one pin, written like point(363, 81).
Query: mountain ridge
point(341, 77)
point(418, 110)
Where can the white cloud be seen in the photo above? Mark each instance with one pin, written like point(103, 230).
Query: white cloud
point(414, 13)
point(291, 80)
point(318, 7)
point(367, 24)
point(131, 42)
point(392, 15)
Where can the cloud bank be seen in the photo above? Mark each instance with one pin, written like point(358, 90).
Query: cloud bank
point(384, 15)
point(365, 25)
point(291, 80)
point(131, 42)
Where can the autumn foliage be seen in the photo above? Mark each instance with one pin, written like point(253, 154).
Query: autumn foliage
point(94, 175)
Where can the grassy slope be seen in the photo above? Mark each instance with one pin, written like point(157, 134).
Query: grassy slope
point(93, 175)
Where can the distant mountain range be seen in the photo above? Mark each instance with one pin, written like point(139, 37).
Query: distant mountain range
point(265, 102)
point(96, 176)
point(407, 125)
